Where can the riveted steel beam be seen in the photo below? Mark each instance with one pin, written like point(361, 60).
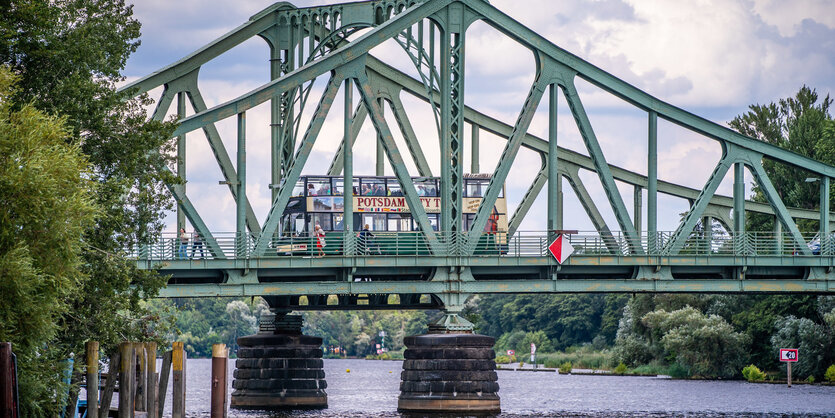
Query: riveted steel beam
point(563, 285)
point(530, 197)
point(692, 217)
point(601, 167)
point(356, 124)
point(286, 188)
point(573, 176)
point(395, 159)
point(544, 75)
point(777, 203)
point(596, 76)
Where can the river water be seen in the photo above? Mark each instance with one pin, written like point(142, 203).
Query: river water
point(371, 389)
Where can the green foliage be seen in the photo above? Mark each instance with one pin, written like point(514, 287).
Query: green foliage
point(47, 203)
point(829, 376)
point(358, 332)
point(202, 322)
point(565, 368)
point(705, 344)
point(584, 358)
point(801, 124)
point(810, 379)
point(620, 369)
point(566, 320)
point(68, 56)
point(505, 359)
point(814, 342)
point(753, 374)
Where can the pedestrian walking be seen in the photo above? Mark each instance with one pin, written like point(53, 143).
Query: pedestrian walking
point(320, 239)
point(183, 248)
point(196, 244)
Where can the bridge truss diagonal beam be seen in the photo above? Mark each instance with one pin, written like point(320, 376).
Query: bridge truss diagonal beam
point(288, 183)
point(395, 159)
point(544, 75)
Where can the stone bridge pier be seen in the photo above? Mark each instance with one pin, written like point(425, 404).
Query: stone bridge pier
point(279, 368)
point(449, 370)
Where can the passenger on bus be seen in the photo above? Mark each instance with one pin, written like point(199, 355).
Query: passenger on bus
point(311, 190)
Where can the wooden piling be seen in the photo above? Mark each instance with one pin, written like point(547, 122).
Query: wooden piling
point(140, 393)
point(8, 409)
point(220, 355)
point(127, 377)
point(178, 397)
point(92, 348)
point(109, 385)
point(163, 381)
point(151, 398)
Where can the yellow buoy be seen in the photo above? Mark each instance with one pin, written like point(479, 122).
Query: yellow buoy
point(389, 372)
point(347, 370)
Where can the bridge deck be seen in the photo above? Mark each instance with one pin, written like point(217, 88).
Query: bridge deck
point(401, 263)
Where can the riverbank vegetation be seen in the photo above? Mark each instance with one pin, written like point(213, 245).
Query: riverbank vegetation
point(80, 183)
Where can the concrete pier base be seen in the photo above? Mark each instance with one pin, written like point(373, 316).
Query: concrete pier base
point(279, 369)
point(449, 373)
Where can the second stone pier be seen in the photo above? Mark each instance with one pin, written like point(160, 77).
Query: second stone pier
point(449, 373)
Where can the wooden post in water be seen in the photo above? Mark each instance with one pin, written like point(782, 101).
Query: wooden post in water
point(127, 377)
point(178, 397)
point(163, 382)
point(220, 355)
point(151, 381)
point(109, 385)
point(8, 385)
point(140, 392)
point(92, 348)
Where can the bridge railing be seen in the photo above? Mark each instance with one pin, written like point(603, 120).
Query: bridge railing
point(228, 245)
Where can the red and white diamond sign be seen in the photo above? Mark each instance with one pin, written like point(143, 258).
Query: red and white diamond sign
point(561, 249)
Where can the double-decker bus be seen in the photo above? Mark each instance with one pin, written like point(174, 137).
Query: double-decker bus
point(379, 203)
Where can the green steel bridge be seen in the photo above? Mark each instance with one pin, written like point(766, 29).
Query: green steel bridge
point(441, 269)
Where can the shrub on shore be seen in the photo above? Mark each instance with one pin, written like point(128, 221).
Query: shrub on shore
point(829, 376)
point(565, 368)
point(753, 374)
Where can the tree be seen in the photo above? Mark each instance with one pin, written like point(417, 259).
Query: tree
point(705, 344)
point(814, 342)
point(801, 124)
point(69, 55)
point(47, 203)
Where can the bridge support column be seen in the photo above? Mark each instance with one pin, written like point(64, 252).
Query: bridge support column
point(279, 368)
point(449, 370)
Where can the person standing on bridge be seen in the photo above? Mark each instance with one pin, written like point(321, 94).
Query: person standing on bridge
point(197, 243)
point(320, 239)
point(183, 248)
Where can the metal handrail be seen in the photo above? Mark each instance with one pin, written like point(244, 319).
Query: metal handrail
point(229, 245)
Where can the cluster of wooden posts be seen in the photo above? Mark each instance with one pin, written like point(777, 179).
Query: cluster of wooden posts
point(141, 389)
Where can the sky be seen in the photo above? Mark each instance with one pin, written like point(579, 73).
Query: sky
point(713, 58)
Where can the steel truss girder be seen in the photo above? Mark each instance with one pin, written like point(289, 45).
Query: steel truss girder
point(546, 72)
point(188, 84)
point(774, 286)
point(502, 23)
point(567, 156)
point(357, 72)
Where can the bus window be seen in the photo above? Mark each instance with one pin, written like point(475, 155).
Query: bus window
point(318, 187)
point(433, 221)
point(376, 222)
point(394, 188)
point(373, 187)
point(298, 190)
point(338, 186)
point(338, 225)
point(293, 224)
point(426, 187)
point(321, 219)
point(476, 188)
point(399, 222)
